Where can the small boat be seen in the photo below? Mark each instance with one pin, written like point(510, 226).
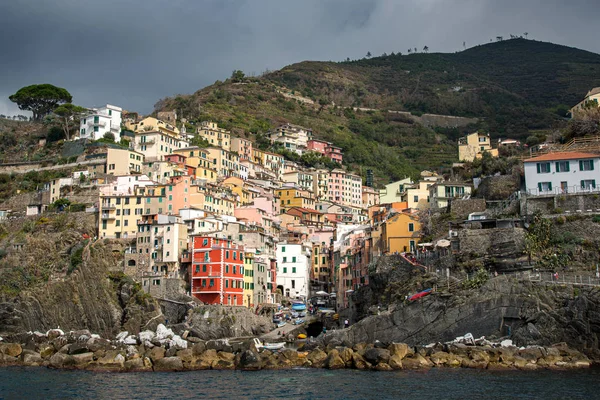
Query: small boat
point(299, 321)
point(282, 323)
point(419, 295)
point(302, 336)
point(268, 346)
point(299, 307)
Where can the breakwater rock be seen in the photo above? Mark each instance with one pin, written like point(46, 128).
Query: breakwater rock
point(164, 351)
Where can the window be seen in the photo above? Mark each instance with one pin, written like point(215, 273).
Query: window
point(205, 241)
point(588, 184)
point(227, 269)
point(197, 268)
point(416, 199)
point(284, 259)
point(543, 168)
point(293, 284)
point(323, 260)
point(212, 282)
point(586, 165)
point(293, 259)
point(285, 270)
point(545, 186)
point(283, 249)
point(562, 166)
point(316, 260)
point(293, 270)
point(226, 283)
point(411, 227)
point(227, 254)
point(204, 268)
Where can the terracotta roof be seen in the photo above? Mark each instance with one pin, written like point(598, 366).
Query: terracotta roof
point(304, 210)
point(570, 155)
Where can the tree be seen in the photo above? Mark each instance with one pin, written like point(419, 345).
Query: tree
point(526, 33)
point(425, 49)
point(368, 54)
point(40, 99)
point(109, 136)
point(238, 75)
point(68, 116)
point(416, 50)
point(409, 51)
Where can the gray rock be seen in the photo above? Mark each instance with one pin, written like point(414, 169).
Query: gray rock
point(377, 355)
point(169, 364)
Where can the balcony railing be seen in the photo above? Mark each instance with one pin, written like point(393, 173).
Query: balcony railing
point(108, 216)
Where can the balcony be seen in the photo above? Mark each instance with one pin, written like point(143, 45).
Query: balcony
point(108, 207)
point(185, 258)
point(108, 216)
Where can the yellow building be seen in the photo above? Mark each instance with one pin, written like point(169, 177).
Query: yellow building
point(271, 161)
point(201, 160)
point(157, 144)
point(149, 124)
point(400, 233)
point(592, 98)
point(225, 162)
point(295, 197)
point(214, 135)
point(237, 186)
point(320, 183)
point(248, 296)
point(474, 145)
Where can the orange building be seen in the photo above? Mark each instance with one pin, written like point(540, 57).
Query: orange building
point(217, 272)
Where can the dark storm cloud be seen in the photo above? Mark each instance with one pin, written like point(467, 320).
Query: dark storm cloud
point(134, 52)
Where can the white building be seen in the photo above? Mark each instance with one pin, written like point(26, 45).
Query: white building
point(101, 121)
point(566, 172)
point(293, 266)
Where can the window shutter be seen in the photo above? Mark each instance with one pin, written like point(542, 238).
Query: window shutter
point(547, 167)
point(591, 165)
point(580, 165)
point(567, 165)
point(538, 167)
point(593, 184)
point(539, 184)
point(557, 166)
point(582, 183)
point(549, 186)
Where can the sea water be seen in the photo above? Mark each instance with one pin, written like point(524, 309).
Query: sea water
point(42, 383)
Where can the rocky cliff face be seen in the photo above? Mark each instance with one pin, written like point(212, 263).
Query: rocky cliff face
point(85, 297)
point(528, 313)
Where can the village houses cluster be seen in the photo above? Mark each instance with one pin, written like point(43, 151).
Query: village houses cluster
point(232, 224)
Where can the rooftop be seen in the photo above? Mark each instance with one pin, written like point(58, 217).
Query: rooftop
point(571, 155)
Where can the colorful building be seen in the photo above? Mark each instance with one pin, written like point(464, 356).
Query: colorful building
point(217, 273)
point(474, 145)
point(400, 232)
point(249, 300)
point(216, 136)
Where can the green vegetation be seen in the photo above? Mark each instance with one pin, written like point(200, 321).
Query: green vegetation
point(68, 116)
point(40, 99)
point(518, 88)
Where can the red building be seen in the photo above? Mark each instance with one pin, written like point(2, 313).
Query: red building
point(217, 272)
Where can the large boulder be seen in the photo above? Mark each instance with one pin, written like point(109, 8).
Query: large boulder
point(317, 358)
point(46, 350)
point(399, 349)
point(169, 364)
point(250, 361)
point(32, 358)
point(359, 362)
point(61, 360)
point(156, 353)
point(334, 361)
point(11, 349)
point(377, 355)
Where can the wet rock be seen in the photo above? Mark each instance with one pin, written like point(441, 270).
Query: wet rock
point(205, 360)
point(395, 362)
point(186, 356)
point(377, 355)
point(317, 358)
point(61, 360)
point(112, 361)
point(11, 349)
point(416, 362)
point(398, 349)
point(168, 364)
point(83, 359)
point(250, 361)
point(383, 367)
point(32, 358)
point(171, 352)
point(346, 356)
point(334, 361)
point(78, 348)
point(135, 365)
point(198, 348)
point(156, 354)
point(359, 362)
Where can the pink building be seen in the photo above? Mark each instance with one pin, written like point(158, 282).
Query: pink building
point(243, 147)
point(178, 193)
point(317, 145)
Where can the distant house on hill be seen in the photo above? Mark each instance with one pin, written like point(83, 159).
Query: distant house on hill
point(559, 173)
point(591, 98)
point(474, 145)
point(100, 121)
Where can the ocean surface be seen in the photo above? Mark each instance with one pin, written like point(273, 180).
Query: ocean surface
point(42, 383)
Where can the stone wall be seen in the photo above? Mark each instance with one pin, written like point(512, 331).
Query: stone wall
point(492, 243)
point(462, 208)
point(498, 187)
point(569, 203)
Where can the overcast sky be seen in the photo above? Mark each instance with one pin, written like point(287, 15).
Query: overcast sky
point(132, 53)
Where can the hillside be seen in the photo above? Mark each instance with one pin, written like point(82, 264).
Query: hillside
point(512, 86)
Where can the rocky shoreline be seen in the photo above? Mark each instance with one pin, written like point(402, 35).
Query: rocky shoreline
point(165, 351)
